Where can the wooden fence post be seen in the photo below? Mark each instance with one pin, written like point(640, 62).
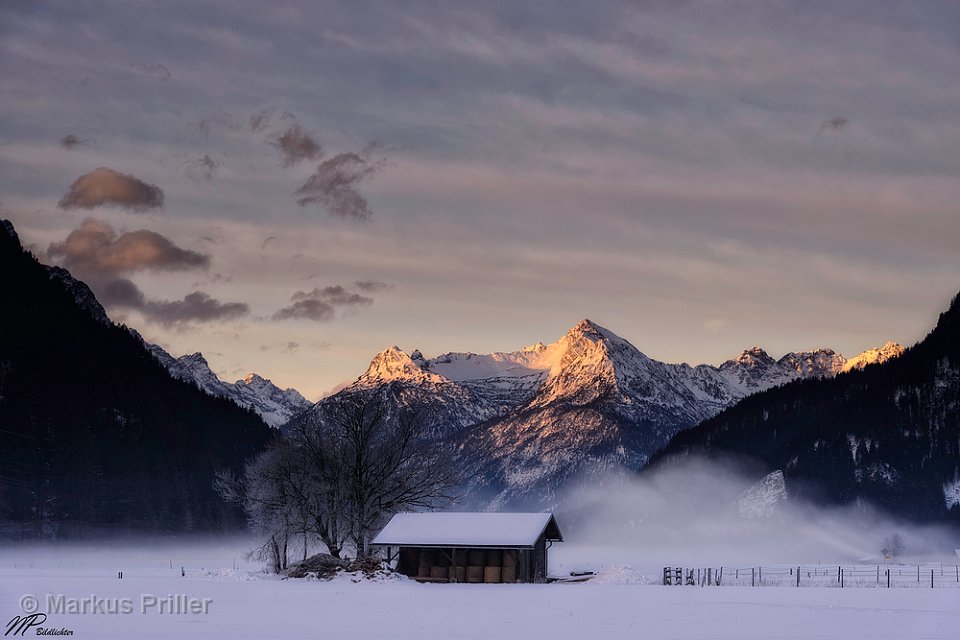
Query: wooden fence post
point(753, 577)
point(798, 576)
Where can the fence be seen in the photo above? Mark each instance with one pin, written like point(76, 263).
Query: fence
point(929, 576)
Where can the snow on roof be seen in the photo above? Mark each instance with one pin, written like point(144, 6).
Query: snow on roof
point(467, 530)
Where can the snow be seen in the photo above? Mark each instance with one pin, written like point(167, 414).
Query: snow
point(245, 603)
point(276, 406)
point(873, 356)
point(548, 413)
point(621, 575)
point(951, 492)
point(464, 529)
point(761, 500)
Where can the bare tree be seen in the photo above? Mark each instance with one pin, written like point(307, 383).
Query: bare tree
point(894, 546)
point(372, 460)
point(338, 476)
point(275, 494)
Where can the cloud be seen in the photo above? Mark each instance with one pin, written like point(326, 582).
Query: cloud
point(196, 307)
point(372, 286)
point(201, 169)
point(287, 347)
point(260, 120)
point(120, 292)
point(834, 124)
point(154, 69)
point(218, 119)
point(321, 304)
point(105, 187)
point(71, 140)
point(295, 145)
point(94, 248)
point(333, 186)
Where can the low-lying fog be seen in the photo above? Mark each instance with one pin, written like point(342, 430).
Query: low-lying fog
point(696, 514)
point(691, 515)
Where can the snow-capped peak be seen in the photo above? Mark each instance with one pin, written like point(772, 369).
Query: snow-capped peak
point(874, 356)
point(818, 363)
point(392, 364)
point(754, 356)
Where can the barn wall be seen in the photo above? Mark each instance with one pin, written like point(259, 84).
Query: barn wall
point(540, 560)
point(430, 562)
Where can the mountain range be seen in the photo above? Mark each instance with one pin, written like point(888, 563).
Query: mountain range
point(881, 426)
point(275, 405)
point(525, 422)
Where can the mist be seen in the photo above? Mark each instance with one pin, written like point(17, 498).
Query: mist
point(691, 514)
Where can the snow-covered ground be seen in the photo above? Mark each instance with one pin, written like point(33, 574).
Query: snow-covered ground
point(242, 602)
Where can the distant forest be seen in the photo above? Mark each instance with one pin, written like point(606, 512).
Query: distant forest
point(889, 434)
point(93, 430)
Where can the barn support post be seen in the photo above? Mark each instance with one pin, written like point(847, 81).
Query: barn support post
point(453, 565)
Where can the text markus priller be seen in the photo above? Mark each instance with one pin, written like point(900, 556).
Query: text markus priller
point(168, 604)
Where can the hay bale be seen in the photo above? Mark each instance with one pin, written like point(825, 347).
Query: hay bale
point(494, 558)
point(461, 574)
point(423, 572)
point(509, 574)
point(476, 557)
point(439, 573)
point(510, 558)
point(492, 575)
point(474, 574)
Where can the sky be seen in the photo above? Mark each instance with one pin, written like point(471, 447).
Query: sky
point(291, 188)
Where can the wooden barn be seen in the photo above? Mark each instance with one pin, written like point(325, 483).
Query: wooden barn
point(471, 547)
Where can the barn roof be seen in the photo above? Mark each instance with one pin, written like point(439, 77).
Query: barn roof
point(468, 530)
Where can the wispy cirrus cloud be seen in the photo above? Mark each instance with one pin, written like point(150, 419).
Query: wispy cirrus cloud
point(201, 169)
point(72, 140)
point(834, 123)
point(105, 187)
point(372, 286)
point(334, 186)
point(295, 145)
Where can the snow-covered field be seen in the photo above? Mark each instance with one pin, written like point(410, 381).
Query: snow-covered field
point(244, 603)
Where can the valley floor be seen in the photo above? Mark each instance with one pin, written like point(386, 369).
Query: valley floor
point(244, 603)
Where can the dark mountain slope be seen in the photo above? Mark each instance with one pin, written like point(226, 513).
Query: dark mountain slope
point(889, 434)
point(93, 430)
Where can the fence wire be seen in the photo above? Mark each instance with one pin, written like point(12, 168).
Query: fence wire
point(930, 576)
